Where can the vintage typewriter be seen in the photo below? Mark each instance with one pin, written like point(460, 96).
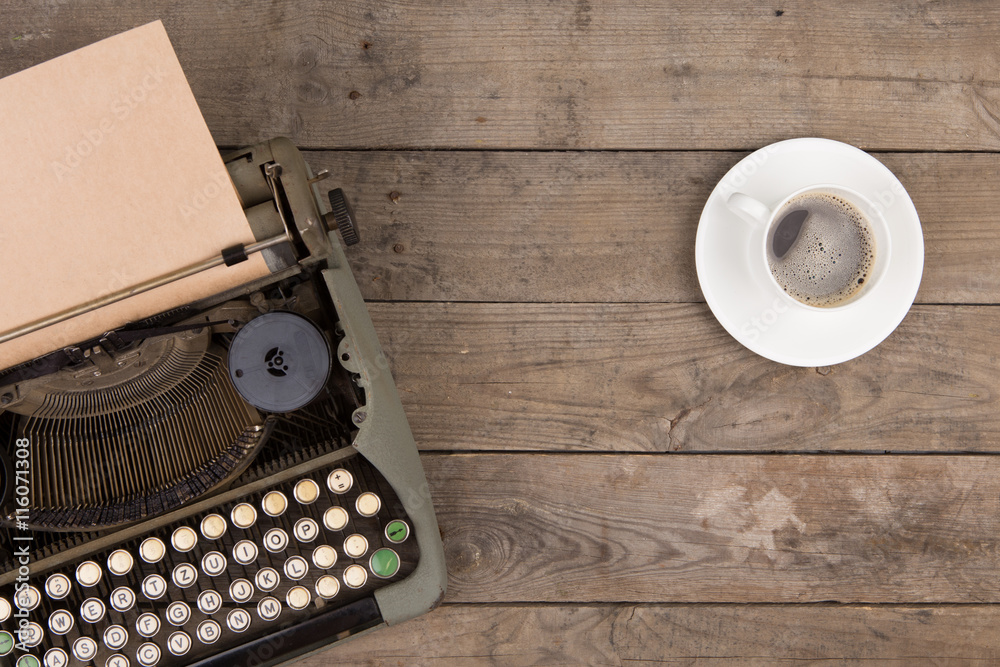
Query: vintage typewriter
point(230, 482)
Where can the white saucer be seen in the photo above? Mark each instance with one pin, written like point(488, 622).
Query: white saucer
point(747, 305)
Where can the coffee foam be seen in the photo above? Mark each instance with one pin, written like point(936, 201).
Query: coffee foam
point(833, 256)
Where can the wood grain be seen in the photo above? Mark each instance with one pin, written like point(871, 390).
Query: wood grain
point(609, 226)
point(521, 635)
point(660, 377)
point(567, 74)
point(734, 529)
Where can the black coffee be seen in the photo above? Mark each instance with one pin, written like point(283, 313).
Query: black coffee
point(821, 249)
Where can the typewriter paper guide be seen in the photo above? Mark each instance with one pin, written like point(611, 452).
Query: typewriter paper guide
point(112, 179)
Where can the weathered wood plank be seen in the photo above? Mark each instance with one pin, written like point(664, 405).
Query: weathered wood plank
point(618, 74)
point(609, 226)
point(633, 528)
point(513, 635)
point(657, 378)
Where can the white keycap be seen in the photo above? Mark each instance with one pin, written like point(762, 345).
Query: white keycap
point(213, 563)
point(154, 586)
point(179, 643)
point(327, 586)
point(115, 637)
point(306, 491)
point(148, 654)
point(335, 518)
point(184, 575)
point(31, 635)
point(92, 610)
point(213, 527)
point(267, 579)
point(84, 648)
point(55, 657)
point(184, 539)
point(306, 530)
point(296, 567)
point(355, 576)
point(245, 552)
point(152, 550)
point(209, 632)
point(355, 545)
point(324, 557)
point(268, 609)
point(274, 503)
point(178, 613)
point(57, 587)
point(209, 602)
point(27, 598)
point(298, 597)
point(240, 590)
point(275, 540)
point(120, 562)
point(88, 573)
point(243, 515)
point(122, 598)
point(5, 610)
point(339, 481)
point(60, 622)
point(147, 625)
point(368, 504)
point(238, 620)
point(117, 660)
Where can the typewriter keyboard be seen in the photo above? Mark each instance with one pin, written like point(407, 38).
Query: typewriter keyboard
point(225, 575)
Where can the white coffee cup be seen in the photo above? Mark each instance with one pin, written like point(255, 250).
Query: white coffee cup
point(763, 219)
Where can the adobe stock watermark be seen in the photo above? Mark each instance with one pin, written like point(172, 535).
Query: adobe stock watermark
point(767, 318)
point(739, 175)
point(209, 191)
point(121, 108)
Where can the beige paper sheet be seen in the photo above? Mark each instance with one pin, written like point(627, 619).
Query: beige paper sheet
point(112, 178)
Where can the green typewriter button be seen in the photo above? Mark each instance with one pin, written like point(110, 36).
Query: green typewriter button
point(28, 661)
point(384, 563)
point(6, 642)
point(397, 531)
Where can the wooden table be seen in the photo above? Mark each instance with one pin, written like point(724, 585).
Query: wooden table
point(617, 479)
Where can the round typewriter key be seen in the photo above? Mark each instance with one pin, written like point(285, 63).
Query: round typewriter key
point(148, 654)
point(267, 579)
point(241, 590)
point(238, 620)
point(88, 573)
point(367, 504)
point(355, 576)
point(209, 631)
point(397, 531)
point(117, 660)
point(306, 530)
point(184, 575)
point(56, 587)
point(120, 562)
point(324, 557)
point(154, 586)
point(122, 598)
point(275, 540)
point(213, 563)
point(335, 518)
point(213, 527)
point(327, 586)
point(296, 567)
point(274, 503)
point(306, 491)
point(60, 622)
point(27, 661)
point(147, 625)
point(178, 613)
point(339, 481)
point(298, 597)
point(179, 643)
point(6, 642)
point(384, 563)
point(209, 602)
point(115, 637)
point(152, 549)
point(55, 657)
point(4, 609)
point(27, 598)
point(268, 609)
point(243, 515)
point(184, 539)
point(31, 635)
point(92, 610)
point(245, 552)
point(84, 649)
point(355, 545)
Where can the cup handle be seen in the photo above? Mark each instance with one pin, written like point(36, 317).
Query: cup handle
point(749, 209)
